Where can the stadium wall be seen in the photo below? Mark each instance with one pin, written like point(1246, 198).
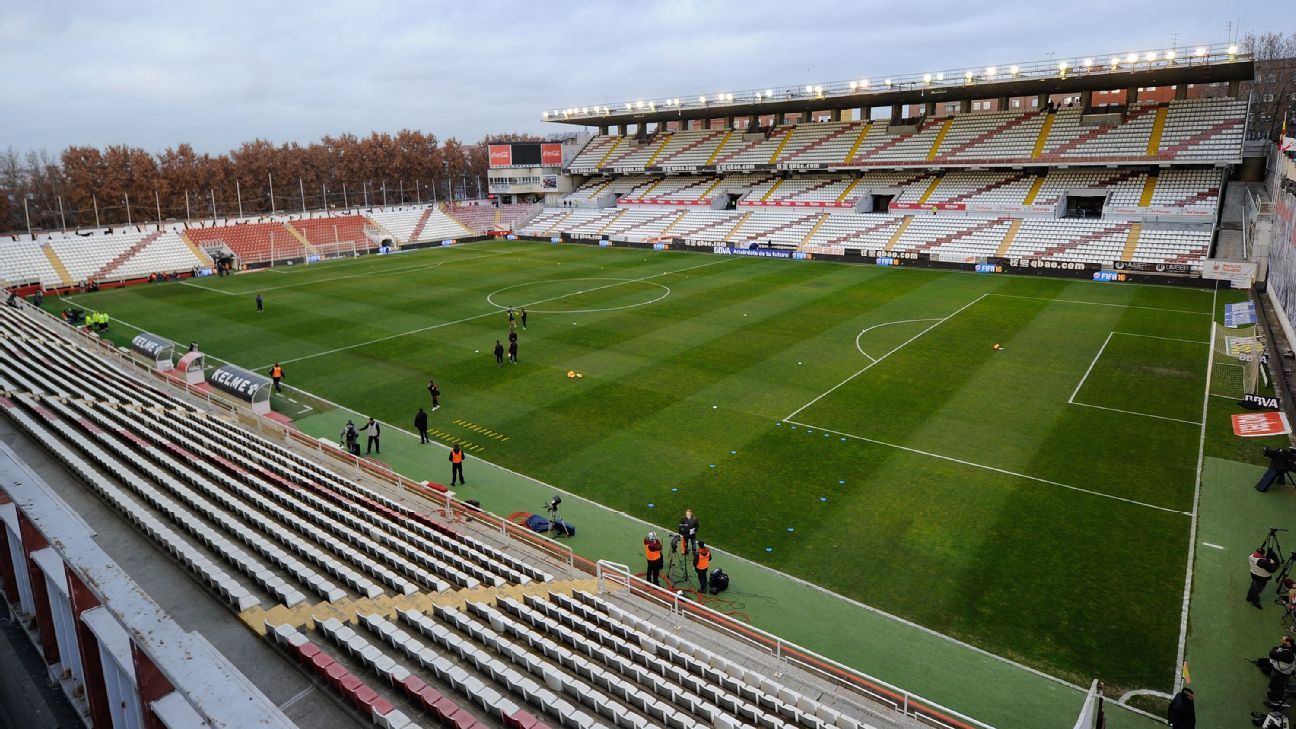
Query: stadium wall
point(1282, 242)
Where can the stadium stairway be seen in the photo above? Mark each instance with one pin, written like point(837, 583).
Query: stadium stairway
point(124, 256)
point(64, 277)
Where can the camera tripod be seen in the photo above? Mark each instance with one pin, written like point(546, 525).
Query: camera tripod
point(677, 570)
point(1271, 546)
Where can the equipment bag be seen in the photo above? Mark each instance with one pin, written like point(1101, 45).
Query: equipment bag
point(537, 523)
point(719, 581)
point(563, 529)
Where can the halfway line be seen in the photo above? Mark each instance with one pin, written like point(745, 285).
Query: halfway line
point(493, 312)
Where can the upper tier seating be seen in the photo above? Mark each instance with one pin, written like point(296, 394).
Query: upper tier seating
point(1194, 130)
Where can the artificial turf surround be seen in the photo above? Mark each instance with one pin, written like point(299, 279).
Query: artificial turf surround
point(948, 483)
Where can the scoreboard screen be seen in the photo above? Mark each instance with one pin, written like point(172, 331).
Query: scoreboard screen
point(526, 154)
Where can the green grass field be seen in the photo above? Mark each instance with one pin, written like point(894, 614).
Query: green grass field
point(849, 425)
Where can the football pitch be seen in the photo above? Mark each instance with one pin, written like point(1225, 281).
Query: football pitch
point(852, 426)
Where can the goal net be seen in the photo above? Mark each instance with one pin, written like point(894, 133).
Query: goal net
point(1235, 370)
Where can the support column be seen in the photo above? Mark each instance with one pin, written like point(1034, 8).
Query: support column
point(1086, 100)
point(835, 115)
point(603, 129)
point(1042, 101)
point(929, 110)
point(1181, 92)
point(1234, 88)
point(729, 122)
point(965, 106)
point(1002, 104)
point(897, 113)
point(805, 117)
point(864, 113)
point(1131, 95)
point(623, 129)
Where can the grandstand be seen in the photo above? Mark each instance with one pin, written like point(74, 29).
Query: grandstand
point(1021, 183)
point(68, 259)
point(397, 610)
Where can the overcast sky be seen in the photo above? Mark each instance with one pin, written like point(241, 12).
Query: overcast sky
point(216, 74)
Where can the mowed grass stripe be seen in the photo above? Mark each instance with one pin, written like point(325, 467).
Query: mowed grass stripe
point(676, 387)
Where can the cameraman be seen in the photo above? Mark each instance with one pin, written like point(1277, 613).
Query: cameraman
point(1282, 662)
point(653, 553)
point(701, 561)
point(688, 528)
point(1262, 568)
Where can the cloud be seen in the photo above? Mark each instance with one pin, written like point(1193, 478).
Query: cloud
point(215, 75)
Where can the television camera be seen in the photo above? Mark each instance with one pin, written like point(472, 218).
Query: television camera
point(1282, 464)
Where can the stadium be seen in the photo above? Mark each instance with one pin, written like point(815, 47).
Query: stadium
point(968, 375)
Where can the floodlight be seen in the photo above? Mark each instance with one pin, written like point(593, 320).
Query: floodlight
point(1201, 51)
point(1170, 55)
point(1150, 57)
point(1088, 62)
point(888, 82)
point(769, 92)
point(990, 72)
point(1115, 61)
point(809, 89)
point(853, 85)
point(927, 77)
point(701, 99)
point(638, 104)
point(864, 84)
point(1132, 58)
point(1233, 50)
point(1014, 70)
point(1062, 66)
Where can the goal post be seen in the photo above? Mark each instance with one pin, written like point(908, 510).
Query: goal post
point(1236, 354)
point(1091, 713)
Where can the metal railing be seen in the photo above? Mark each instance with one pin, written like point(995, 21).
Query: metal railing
point(908, 704)
point(1145, 60)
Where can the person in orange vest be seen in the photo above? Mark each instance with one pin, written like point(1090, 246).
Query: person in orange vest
point(456, 465)
point(276, 374)
point(701, 561)
point(653, 552)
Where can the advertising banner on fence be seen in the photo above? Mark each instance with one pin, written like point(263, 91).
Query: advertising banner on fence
point(1239, 273)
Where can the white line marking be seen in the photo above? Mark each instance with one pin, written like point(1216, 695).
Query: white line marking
point(1141, 692)
point(300, 695)
point(493, 312)
point(794, 413)
point(1212, 546)
point(384, 272)
point(208, 288)
point(1094, 361)
point(1192, 528)
point(1133, 412)
point(866, 330)
point(1099, 303)
point(1168, 339)
point(996, 469)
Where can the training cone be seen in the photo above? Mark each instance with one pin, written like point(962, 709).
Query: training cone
point(571, 375)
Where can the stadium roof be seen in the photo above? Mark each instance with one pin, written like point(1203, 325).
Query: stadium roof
point(1162, 67)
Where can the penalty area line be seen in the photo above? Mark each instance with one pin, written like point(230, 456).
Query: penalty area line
point(995, 469)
